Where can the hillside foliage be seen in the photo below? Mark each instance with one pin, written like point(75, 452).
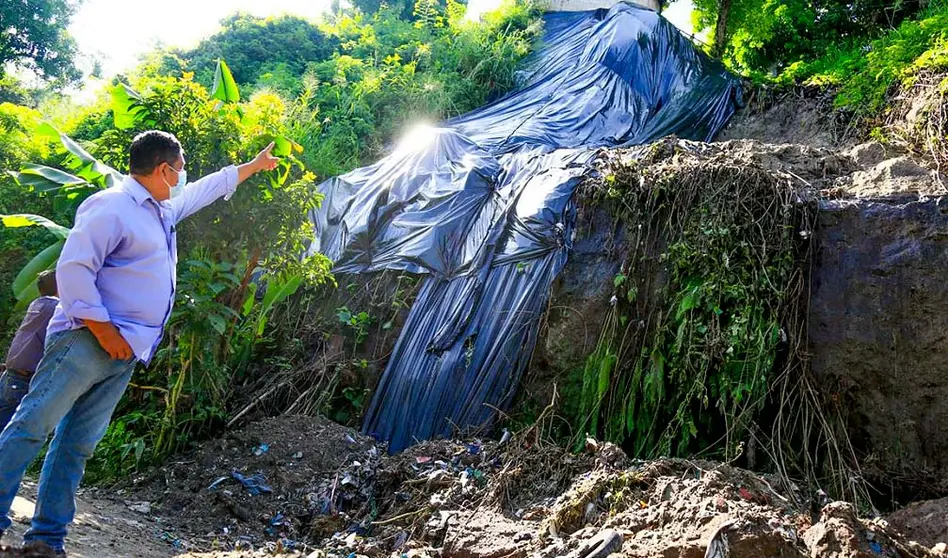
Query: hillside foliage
point(333, 95)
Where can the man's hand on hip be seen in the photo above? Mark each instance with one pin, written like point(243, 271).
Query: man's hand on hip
point(110, 339)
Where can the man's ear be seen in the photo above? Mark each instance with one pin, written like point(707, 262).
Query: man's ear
point(158, 171)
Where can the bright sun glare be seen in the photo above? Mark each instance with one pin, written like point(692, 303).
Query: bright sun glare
point(418, 136)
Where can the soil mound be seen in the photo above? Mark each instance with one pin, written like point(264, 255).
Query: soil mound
point(924, 522)
point(313, 488)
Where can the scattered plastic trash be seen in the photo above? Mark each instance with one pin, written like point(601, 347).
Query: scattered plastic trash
point(261, 449)
point(400, 539)
point(217, 482)
point(172, 540)
point(140, 507)
point(875, 547)
point(254, 483)
point(505, 437)
point(244, 543)
point(605, 543)
point(298, 455)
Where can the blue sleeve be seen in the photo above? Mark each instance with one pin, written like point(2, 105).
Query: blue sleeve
point(204, 192)
point(96, 234)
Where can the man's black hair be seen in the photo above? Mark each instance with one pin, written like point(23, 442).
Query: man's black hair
point(150, 149)
point(46, 282)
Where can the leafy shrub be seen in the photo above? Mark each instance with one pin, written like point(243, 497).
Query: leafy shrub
point(240, 275)
point(863, 73)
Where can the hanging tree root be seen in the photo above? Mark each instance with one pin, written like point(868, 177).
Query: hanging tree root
point(707, 334)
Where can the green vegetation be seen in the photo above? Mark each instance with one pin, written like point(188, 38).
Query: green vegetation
point(860, 49)
point(380, 73)
point(273, 51)
point(33, 36)
point(768, 35)
point(247, 309)
point(706, 300)
point(864, 73)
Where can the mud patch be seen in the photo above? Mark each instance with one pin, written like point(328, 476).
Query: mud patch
point(923, 522)
point(802, 115)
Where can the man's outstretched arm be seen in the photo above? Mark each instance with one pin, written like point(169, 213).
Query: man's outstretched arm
point(222, 183)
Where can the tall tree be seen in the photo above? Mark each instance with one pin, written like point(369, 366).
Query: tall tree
point(720, 27)
point(33, 35)
point(253, 46)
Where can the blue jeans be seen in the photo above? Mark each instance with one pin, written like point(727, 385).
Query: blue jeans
point(75, 389)
point(12, 390)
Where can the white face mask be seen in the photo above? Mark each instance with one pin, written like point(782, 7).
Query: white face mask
point(182, 180)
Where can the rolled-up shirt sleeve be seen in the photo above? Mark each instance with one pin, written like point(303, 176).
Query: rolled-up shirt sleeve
point(204, 192)
point(96, 234)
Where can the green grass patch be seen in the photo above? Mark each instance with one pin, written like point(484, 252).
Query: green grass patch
point(863, 74)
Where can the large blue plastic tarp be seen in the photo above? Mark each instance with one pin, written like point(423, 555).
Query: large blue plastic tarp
point(484, 207)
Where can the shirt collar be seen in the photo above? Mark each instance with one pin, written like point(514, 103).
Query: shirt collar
point(138, 192)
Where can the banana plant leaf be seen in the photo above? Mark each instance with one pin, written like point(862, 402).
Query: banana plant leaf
point(128, 108)
point(225, 88)
point(41, 178)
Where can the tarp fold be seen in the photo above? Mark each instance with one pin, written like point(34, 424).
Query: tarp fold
point(484, 207)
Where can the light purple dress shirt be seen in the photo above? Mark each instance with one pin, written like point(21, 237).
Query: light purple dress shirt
point(118, 264)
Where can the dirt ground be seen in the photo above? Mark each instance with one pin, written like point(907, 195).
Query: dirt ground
point(799, 116)
point(925, 522)
point(334, 493)
point(104, 528)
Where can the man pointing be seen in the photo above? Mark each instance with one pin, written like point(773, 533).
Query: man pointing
point(117, 281)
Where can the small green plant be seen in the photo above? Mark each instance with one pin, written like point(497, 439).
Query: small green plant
point(123, 447)
point(351, 405)
point(358, 322)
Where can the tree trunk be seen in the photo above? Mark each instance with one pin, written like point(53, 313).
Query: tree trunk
point(720, 27)
point(237, 299)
